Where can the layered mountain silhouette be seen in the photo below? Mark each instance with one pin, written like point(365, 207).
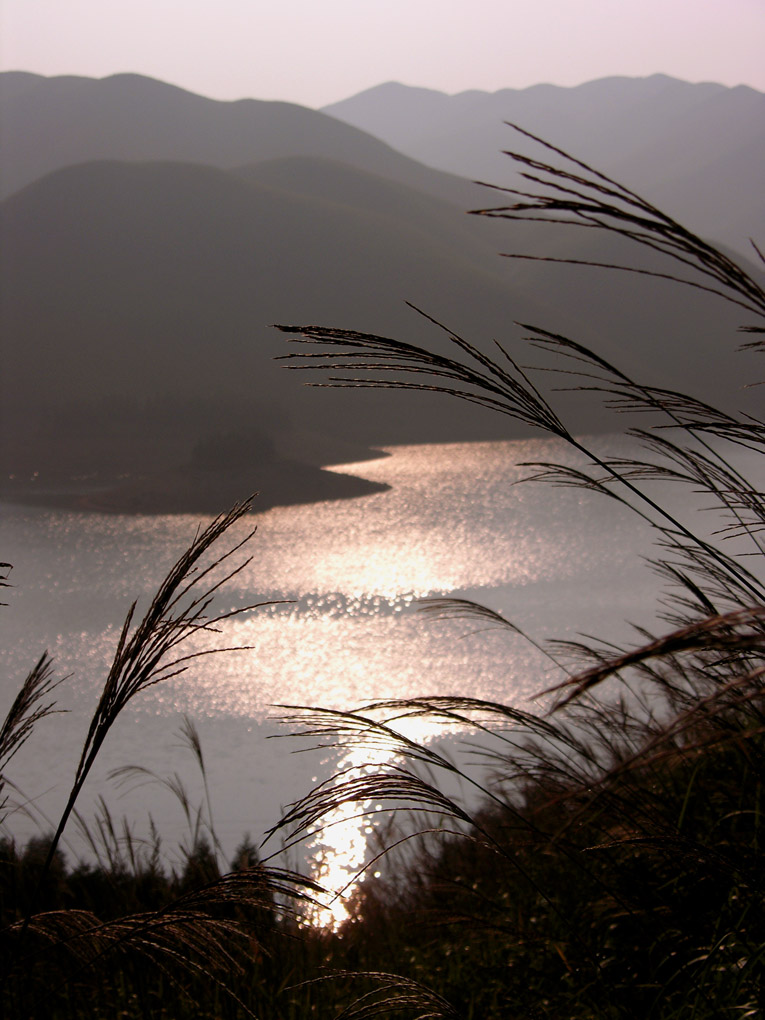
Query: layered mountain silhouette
point(49, 123)
point(696, 151)
point(152, 238)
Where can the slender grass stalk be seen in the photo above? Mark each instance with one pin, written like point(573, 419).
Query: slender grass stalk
point(209, 932)
point(177, 613)
point(596, 201)
point(599, 785)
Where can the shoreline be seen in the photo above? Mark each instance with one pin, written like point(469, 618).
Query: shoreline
point(194, 491)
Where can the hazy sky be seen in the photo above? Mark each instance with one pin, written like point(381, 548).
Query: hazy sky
point(317, 51)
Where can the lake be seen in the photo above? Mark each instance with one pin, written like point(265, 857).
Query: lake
point(554, 561)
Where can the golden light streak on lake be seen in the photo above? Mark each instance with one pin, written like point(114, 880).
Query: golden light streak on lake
point(352, 835)
point(556, 562)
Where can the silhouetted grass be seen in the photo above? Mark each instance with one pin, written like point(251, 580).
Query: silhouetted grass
point(123, 935)
point(614, 866)
point(607, 860)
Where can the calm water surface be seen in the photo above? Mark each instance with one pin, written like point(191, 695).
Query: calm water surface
point(554, 561)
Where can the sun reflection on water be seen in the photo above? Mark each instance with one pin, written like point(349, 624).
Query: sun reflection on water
point(453, 523)
point(351, 836)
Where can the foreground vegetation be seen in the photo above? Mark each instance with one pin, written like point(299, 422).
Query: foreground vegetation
point(609, 863)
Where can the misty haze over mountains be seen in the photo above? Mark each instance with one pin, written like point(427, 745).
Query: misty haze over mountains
point(151, 236)
point(696, 151)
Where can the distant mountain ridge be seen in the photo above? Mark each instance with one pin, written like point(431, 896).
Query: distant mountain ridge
point(697, 151)
point(137, 291)
point(49, 123)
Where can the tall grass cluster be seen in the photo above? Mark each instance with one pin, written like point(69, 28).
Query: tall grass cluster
point(608, 861)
